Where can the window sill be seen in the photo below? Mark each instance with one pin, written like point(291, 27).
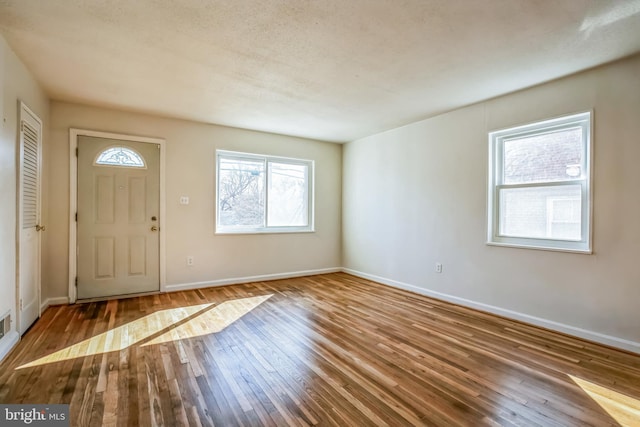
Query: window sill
point(266, 231)
point(587, 251)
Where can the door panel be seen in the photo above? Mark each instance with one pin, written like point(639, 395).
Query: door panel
point(118, 252)
point(105, 258)
point(137, 202)
point(29, 278)
point(105, 189)
point(28, 222)
point(137, 256)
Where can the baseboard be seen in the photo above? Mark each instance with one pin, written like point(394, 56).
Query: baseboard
point(7, 343)
point(597, 337)
point(53, 301)
point(248, 279)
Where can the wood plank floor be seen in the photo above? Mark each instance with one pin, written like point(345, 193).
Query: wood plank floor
point(323, 350)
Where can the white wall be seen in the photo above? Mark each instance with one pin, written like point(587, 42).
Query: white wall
point(416, 195)
point(190, 171)
point(16, 83)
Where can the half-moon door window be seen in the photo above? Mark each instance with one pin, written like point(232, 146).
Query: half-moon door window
point(120, 156)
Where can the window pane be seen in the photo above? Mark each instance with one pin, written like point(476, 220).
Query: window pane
point(555, 156)
point(288, 195)
point(241, 188)
point(120, 156)
point(541, 212)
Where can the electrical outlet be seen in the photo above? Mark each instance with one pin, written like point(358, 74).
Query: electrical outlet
point(438, 267)
point(184, 200)
point(189, 260)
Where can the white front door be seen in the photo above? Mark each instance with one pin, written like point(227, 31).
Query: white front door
point(29, 219)
point(118, 217)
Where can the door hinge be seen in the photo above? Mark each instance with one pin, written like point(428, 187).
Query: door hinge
point(76, 216)
point(76, 281)
point(76, 151)
point(20, 304)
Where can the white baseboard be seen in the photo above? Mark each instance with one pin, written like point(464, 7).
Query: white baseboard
point(7, 343)
point(53, 301)
point(537, 321)
point(248, 279)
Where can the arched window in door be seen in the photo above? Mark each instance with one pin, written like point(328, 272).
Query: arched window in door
point(120, 156)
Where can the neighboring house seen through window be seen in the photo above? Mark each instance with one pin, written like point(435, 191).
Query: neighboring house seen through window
point(539, 185)
point(257, 194)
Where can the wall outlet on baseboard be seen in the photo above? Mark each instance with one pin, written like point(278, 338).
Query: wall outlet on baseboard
point(190, 260)
point(438, 267)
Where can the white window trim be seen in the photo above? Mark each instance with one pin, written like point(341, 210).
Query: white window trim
point(310, 228)
point(583, 119)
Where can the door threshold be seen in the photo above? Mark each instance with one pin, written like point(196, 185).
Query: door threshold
point(115, 297)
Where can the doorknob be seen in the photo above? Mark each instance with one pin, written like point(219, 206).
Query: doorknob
point(40, 228)
point(154, 228)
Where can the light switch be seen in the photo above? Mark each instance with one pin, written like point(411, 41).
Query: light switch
point(184, 200)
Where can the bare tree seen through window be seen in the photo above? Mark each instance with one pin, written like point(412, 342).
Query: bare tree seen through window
point(242, 194)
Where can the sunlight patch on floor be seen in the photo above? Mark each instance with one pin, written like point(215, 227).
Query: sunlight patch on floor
point(622, 408)
point(211, 321)
point(159, 327)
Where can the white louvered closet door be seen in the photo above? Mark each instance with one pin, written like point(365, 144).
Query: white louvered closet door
point(28, 221)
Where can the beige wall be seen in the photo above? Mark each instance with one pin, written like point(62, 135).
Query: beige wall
point(417, 195)
point(16, 83)
point(190, 171)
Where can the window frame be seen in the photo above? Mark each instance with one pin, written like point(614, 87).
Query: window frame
point(266, 159)
point(496, 183)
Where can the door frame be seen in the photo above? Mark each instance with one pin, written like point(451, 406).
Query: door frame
point(22, 109)
point(74, 134)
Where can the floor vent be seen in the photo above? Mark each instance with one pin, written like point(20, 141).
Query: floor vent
point(5, 324)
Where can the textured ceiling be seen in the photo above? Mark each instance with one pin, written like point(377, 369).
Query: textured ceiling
point(334, 70)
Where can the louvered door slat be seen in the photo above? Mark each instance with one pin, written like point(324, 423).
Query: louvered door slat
point(29, 176)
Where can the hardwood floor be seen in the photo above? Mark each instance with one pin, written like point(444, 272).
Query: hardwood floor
point(322, 350)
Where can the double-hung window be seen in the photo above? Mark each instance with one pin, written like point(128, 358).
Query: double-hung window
point(540, 185)
point(263, 194)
